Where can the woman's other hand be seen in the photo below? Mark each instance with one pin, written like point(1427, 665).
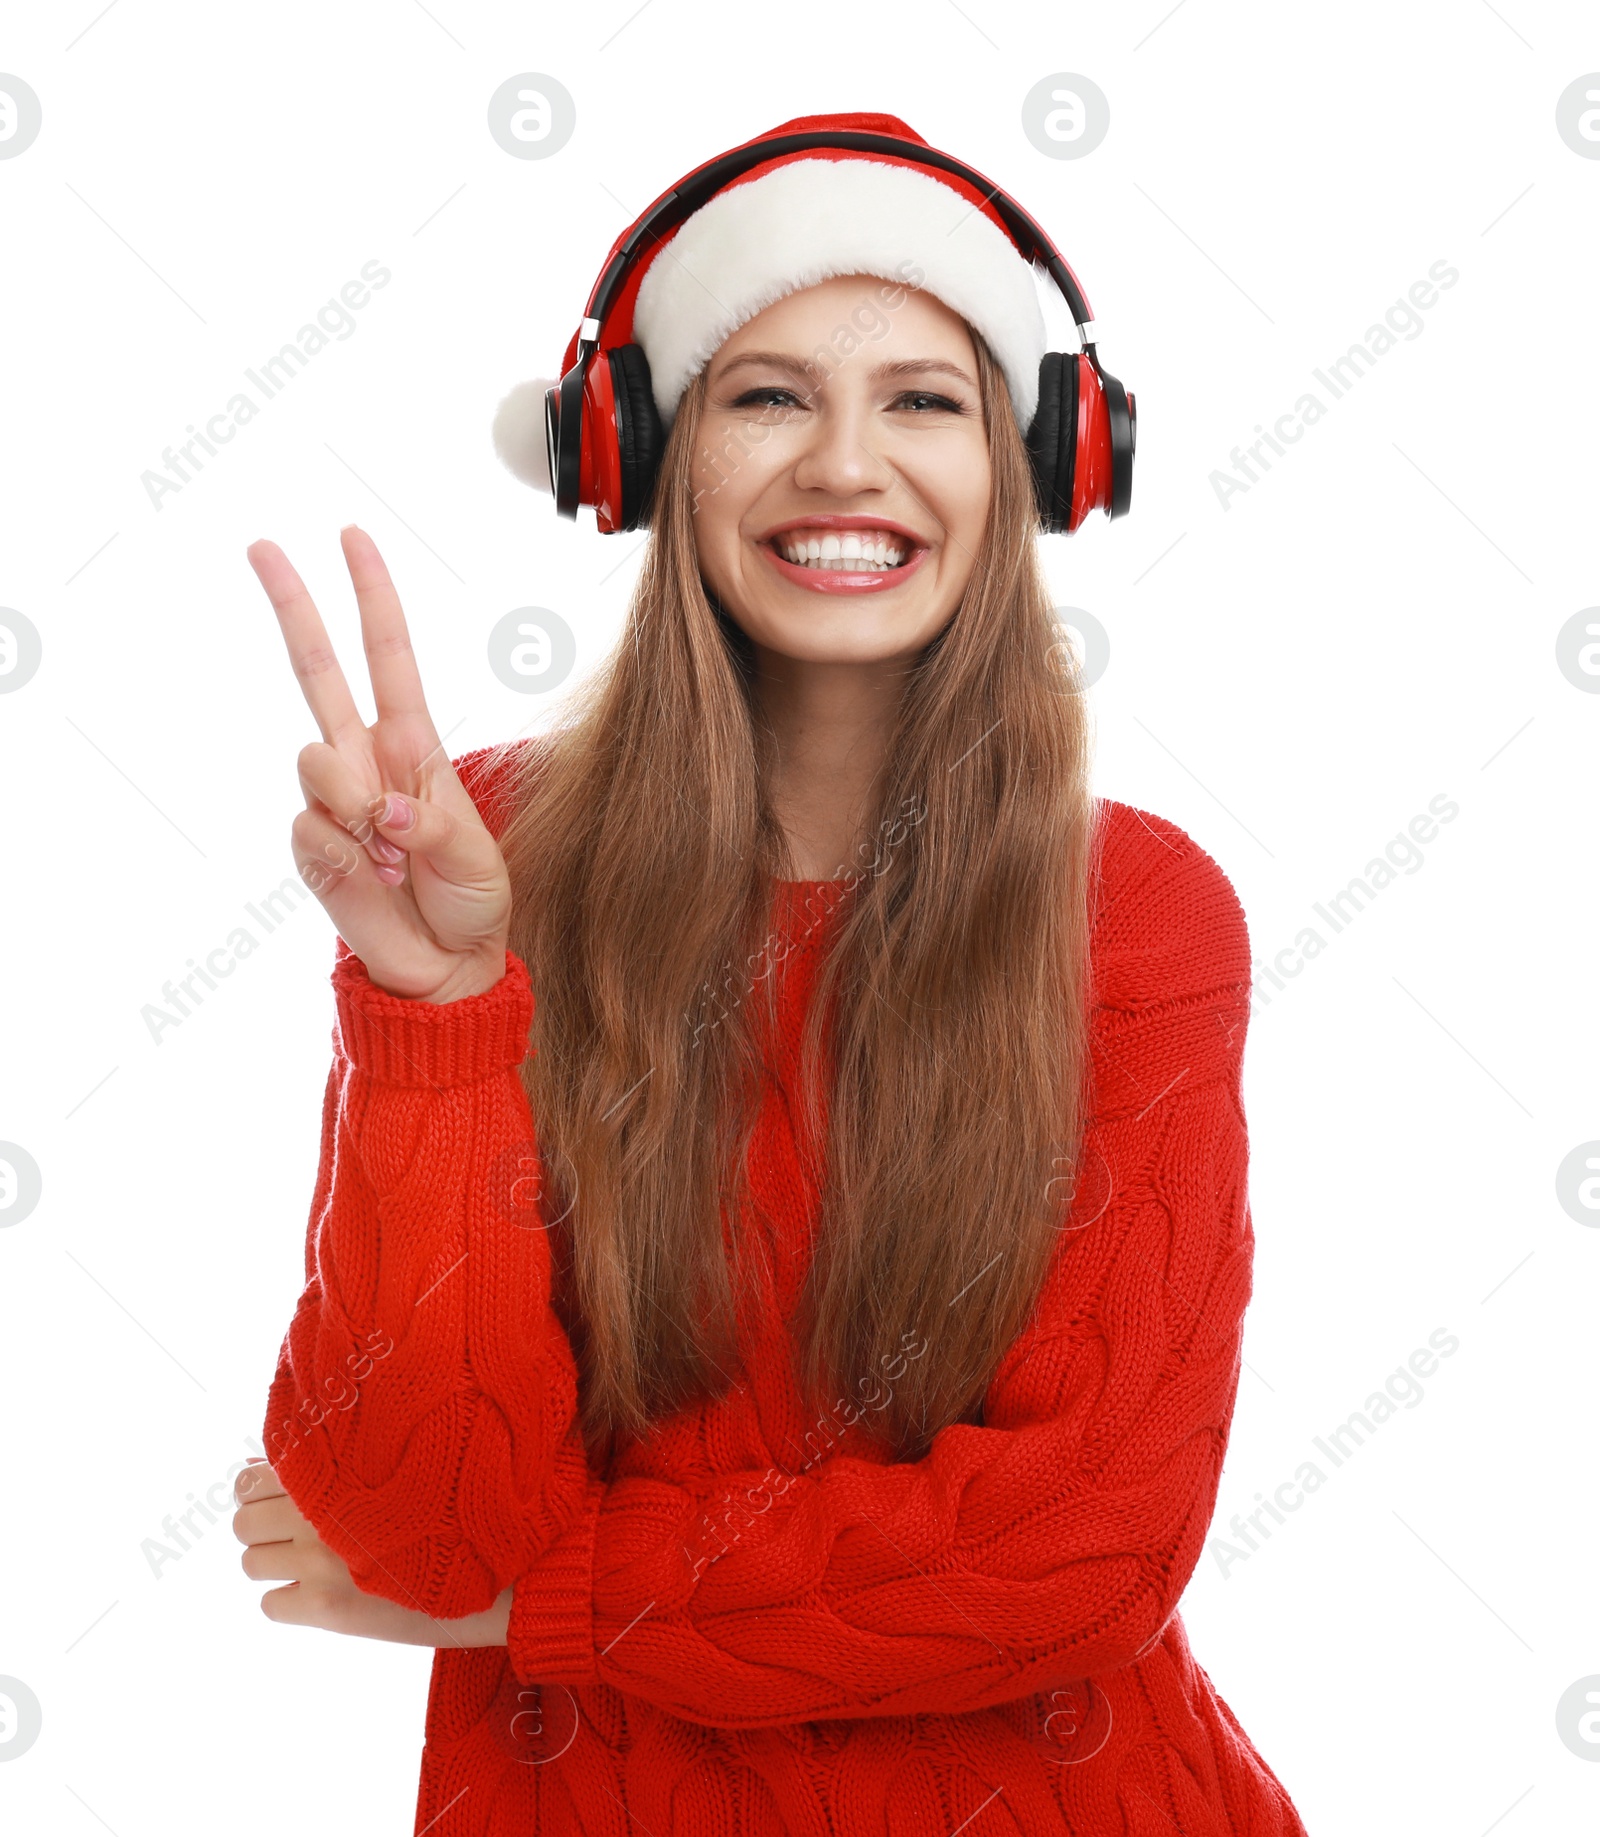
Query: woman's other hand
point(390, 840)
point(282, 1546)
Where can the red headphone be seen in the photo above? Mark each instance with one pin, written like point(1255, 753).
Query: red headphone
point(603, 431)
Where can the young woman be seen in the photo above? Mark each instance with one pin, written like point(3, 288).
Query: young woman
point(779, 1253)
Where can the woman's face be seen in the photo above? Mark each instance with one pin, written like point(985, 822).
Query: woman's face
point(843, 423)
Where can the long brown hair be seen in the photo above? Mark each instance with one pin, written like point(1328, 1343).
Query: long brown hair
point(949, 1009)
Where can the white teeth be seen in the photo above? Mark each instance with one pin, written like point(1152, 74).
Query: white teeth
point(852, 551)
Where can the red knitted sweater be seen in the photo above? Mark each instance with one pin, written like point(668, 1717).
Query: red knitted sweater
point(753, 1622)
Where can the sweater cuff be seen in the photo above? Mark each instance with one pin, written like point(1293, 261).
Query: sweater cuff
point(550, 1632)
point(424, 1043)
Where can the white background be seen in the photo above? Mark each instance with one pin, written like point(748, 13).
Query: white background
point(1291, 678)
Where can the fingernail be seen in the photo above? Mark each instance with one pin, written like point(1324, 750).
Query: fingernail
point(386, 851)
point(391, 876)
point(397, 814)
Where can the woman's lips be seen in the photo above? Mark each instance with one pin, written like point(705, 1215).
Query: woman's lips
point(844, 580)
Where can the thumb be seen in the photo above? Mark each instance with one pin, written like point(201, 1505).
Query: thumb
point(461, 851)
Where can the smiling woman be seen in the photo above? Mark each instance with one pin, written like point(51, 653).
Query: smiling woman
point(906, 430)
point(898, 433)
point(805, 1421)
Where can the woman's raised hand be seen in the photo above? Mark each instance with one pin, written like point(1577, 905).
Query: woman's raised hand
point(390, 840)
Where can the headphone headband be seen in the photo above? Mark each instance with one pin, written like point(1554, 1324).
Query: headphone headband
point(697, 187)
point(1080, 443)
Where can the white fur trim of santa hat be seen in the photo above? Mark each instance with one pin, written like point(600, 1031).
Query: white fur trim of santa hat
point(519, 434)
point(805, 221)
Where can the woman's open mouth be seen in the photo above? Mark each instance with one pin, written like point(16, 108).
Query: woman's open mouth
point(861, 558)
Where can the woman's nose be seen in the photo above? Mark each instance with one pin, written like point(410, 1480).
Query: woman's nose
point(840, 454)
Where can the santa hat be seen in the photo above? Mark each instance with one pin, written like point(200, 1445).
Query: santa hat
point(788, 223)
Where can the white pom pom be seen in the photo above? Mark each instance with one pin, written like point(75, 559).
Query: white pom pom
point(519, 436)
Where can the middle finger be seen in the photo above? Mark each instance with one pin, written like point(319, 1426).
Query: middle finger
point(270, 1521)
point(391, 662)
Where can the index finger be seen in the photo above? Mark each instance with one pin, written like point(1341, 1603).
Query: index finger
point(315, 664)
point(391, 662)
point(256, 1481)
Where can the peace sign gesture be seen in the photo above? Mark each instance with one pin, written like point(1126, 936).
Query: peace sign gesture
point(390, 840)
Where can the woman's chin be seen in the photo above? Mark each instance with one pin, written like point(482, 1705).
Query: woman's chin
point(835, 632)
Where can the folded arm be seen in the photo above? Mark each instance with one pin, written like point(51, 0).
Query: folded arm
point(1052, 1542)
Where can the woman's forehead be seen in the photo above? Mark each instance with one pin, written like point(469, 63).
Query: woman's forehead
point(853, 310)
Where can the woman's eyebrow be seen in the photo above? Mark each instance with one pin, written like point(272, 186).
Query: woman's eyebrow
point(894, 367)
point(776, 359)
point(913, 366)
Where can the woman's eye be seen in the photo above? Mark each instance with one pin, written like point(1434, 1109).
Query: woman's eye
point(939, 401)
point(757, 398)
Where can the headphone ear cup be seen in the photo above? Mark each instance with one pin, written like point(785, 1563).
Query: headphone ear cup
point(639, 435)
point(1120, 417)
point(1052, 439)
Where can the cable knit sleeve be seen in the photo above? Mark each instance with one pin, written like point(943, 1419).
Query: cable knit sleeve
point(1052, 1542)
point(423, 1411)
